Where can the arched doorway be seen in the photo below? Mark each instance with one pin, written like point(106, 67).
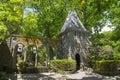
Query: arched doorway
point(77, 58)
point(31, 55)
point(20, 51)
point(18, 54)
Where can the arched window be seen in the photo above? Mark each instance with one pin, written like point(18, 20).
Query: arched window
point(20, 48)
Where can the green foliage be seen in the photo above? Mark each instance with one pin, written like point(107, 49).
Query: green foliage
point(106, 53)
point(114, 11)
point(50, 16)
point(29, 29)
point(108, 48)
point(102, 57)
point(116, 56)
point(47, 17)
point(22, 65)
point(105, 66)
point(4, 79)
point(115, 36)
point(64, 65)
point(2, 74)
point(10, 18)
point(97, 39)
point(42, 56)
point(3, 31)
point(106, 56)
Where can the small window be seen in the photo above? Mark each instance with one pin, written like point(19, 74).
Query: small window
point(75, 33)
point(20, 48)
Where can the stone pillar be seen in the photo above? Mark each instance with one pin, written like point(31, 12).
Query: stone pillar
point(25, 54)
point(36, 59)
point(36, 55)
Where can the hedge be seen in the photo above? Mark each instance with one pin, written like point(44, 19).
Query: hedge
point(64, 64)
point(106, 66)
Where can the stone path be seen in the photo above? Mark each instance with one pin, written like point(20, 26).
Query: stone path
point(80, 75)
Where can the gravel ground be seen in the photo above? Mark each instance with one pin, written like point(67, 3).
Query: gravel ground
point(79, 75)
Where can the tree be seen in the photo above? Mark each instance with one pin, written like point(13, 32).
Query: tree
point(50, 16)
point(44, 18)
point(113, 16)
point(29, 27)
point(11, 15)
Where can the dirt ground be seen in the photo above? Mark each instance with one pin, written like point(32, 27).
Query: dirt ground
point(79, 75)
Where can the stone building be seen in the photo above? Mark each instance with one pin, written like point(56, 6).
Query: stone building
point(17, 47)
point(74, 41)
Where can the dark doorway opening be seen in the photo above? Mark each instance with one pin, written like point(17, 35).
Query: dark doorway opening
point(77, 58)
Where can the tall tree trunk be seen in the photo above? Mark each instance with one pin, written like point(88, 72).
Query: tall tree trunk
point(48, 35)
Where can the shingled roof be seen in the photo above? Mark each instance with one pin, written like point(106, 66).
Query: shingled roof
point(72, 23)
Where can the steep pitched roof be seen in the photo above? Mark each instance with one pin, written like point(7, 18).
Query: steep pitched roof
point(72, 23)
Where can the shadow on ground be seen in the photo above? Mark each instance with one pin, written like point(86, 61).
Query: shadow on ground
point(92, 78)
point(96, 78)
point(27, 77)
point(32, 77)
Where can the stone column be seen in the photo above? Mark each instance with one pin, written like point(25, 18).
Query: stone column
point(36, 59)
point(25, 54)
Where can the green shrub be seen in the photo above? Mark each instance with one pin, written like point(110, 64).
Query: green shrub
point(2, 74)
point(64, 64)
point(106, 56)
point(105, 65)
point(116, 56)
point(21, 66)
point(42, 56)
point(4, 79)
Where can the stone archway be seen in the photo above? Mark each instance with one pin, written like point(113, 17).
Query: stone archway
point(19, 49)
point(77, 58)
point(17, 54)
point(32, 55)
point(13, 40)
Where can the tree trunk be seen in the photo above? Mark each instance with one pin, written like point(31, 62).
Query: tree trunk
point(48, 35)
